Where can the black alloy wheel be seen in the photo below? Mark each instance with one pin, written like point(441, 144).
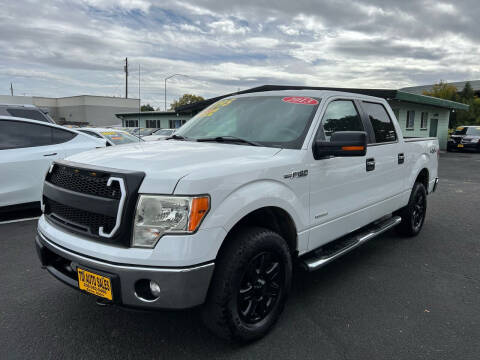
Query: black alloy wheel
point(260, 287)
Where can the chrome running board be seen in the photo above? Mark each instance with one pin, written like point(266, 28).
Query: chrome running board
point(323, 255)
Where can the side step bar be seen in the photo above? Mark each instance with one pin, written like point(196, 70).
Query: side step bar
point(319, 258)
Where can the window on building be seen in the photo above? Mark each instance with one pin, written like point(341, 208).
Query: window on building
point(131, 123)
point(153, 124)
point(382, 125)
point(341, 115)
point(175, 124)
point(410, 120)
point(424, 121)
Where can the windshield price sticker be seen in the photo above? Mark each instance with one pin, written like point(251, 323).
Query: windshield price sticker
point(215, 107)
point(300, 100)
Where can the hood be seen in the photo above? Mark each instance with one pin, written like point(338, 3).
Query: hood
point(166, 162)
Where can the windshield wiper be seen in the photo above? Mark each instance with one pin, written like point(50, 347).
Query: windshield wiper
point(230, 139)
point(176, 137)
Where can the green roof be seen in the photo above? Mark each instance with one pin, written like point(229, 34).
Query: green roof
point(429, 100)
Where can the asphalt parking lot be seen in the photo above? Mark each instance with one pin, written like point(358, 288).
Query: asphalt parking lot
point(394, 298)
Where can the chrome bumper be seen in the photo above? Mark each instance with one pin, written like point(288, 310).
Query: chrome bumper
point(180, 287)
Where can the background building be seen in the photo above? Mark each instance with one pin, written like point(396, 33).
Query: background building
point(79, 110)
point(154, 119)
point(459, 85)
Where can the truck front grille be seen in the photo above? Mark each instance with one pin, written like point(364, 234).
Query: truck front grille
point(84, 221)
point(84, 181)
point(85, 200)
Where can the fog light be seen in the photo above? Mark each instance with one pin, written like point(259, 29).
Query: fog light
point(154, 288)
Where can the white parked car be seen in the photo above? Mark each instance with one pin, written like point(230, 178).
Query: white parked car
point(27, 148)
point(160, 134)
point(220, 213)
point(112, 136)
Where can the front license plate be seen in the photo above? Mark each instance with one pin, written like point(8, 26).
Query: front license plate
point(94, 284)
point(460, 145)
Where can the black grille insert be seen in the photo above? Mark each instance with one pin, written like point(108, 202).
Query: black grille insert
point(80, 220)
point(84, 181)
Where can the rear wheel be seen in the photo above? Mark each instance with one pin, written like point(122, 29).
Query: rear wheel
point(250, 285)
point(413, 215)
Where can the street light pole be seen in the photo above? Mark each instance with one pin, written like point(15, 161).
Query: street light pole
point(169, 77)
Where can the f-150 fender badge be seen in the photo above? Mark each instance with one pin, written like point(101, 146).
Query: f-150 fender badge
point(296, 174)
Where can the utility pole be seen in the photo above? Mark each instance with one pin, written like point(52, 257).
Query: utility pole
point(125, 68)
point(11, 89)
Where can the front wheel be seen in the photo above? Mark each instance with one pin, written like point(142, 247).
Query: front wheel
point(250, 285)
point(413, 215)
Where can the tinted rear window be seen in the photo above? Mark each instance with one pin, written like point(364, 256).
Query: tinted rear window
point(382, 124)
point(18, 134)
point(28, 114)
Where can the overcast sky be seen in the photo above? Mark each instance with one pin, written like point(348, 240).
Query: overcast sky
point(62, 48)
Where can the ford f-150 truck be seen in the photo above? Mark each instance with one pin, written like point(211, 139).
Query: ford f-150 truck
point(219, 213)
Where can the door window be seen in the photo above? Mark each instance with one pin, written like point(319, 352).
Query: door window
point(18, 134)
point(341, 115)
point(60, 136)
point(383, 127)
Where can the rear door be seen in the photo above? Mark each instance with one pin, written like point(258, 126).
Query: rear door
point(26, 152)
point(385, 152)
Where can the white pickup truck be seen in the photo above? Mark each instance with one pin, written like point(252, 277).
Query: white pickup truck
point(218, 214)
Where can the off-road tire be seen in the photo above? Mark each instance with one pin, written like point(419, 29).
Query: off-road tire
point(412, 221)
point(222, 312)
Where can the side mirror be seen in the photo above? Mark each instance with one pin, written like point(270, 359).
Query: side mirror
point(342, 143)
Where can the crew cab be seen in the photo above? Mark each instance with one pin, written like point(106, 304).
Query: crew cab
point(218, 214)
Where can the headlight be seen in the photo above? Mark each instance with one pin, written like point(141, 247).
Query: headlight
point(159, 215)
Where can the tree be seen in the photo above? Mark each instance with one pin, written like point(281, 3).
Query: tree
point(443, 90)
point(186, 99)
point(147, 107)
point(467, 94)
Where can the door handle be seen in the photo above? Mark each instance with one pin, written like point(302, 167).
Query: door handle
point(52, 154)
point(401, 158)
point(370, 164)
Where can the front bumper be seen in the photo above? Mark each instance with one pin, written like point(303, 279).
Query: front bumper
point(180, 287)
point(466, 146)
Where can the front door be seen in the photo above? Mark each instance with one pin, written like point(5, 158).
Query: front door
point(433, 127)
point(339, 186)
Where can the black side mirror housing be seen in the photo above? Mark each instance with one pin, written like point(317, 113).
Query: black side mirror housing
point(342, 143)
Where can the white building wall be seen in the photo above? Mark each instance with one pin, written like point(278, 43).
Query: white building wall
point(443, 115)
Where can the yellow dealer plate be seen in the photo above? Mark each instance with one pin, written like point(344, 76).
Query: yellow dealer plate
point(94, 284)
point(460, 145)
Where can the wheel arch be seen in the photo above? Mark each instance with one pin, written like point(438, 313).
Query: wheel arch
point(273, 218)
point(423, 177)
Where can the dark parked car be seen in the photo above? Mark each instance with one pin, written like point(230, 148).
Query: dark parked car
point(465, 138)
point(25, 111)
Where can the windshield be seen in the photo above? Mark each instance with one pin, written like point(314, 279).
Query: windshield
point(119, 137)
point(467, 130)
point(275, 121)
point(166, 132)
